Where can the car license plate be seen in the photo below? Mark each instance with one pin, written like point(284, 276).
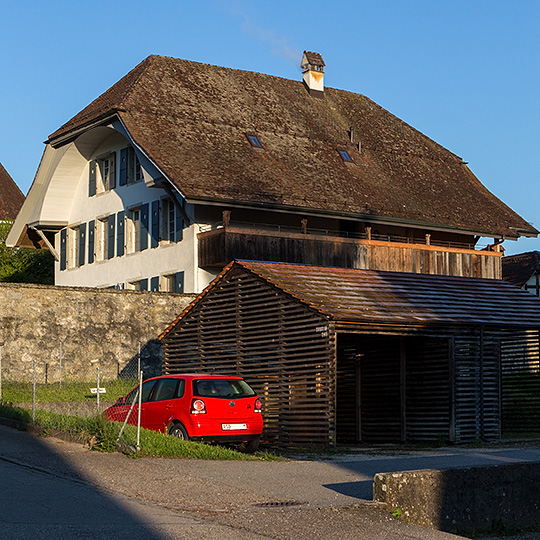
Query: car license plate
point(232, 427)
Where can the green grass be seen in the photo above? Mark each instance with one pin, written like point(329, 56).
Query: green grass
point(16, 392)
point(102, 435)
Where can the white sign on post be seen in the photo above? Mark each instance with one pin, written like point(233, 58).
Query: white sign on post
point(95, 390)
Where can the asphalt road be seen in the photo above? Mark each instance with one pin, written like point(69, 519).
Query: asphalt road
point(55, 489)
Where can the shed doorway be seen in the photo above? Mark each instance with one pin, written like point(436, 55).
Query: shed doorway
point(393, 388)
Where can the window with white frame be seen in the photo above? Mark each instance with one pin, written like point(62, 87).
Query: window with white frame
point(171, 223)
point(101, 239)
point(73, 247)
point(130, 167)
point(173, 283)
point(133, 232)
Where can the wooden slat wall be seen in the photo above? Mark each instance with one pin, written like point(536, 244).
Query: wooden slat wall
point(476, 386)
point(283, 349)
point(219, 247)
point(520, 368)
point(428, 389)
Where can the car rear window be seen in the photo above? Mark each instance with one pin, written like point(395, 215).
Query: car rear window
point(222, 388)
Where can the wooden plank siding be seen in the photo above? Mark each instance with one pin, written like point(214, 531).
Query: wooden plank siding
point(285, 351)
point(428, 358)
point(520, 373)
point(216, 248)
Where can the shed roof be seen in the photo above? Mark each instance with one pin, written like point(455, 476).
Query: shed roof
point(395, 298)
point(518, 269)
point(11, 197)
point(191, 120)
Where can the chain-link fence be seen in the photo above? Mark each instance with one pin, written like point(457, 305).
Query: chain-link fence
point(58, 395)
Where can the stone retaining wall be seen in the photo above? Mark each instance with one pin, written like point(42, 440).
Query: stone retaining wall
point(476, 498)
point(83, 328)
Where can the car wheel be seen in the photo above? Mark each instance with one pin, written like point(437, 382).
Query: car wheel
point(178, 430)
point(250, 447)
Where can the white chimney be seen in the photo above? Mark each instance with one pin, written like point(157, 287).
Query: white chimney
point(313, 70)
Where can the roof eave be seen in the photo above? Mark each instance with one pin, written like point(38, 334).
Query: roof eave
point(72, 134)
point(215, 201)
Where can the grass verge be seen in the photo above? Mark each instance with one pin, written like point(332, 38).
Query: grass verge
point(16, 392)
point(102, 435)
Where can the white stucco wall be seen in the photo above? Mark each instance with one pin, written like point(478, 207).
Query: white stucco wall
point(121, 271)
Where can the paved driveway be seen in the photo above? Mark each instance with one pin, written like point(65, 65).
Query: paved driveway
point(61, 490)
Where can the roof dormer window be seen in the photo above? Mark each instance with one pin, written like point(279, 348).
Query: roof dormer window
point(255, 142)
point(345, 156)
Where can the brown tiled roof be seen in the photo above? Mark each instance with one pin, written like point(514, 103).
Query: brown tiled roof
point(347, 295)
point(11, 197)
point(191, 120)
point(518, 269)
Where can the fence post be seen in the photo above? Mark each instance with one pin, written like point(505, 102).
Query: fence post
point(60, 363)
point(34, 395)
point(98, 390)
point(139, 413)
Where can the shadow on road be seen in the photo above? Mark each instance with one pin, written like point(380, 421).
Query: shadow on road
point(43, 497)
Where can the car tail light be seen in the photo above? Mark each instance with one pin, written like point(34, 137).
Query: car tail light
point(198, 407)
point(258, 405)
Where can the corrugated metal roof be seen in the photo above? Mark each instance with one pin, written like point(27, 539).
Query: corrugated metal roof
point(367, 296)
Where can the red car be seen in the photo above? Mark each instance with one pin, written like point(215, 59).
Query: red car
point(196, 407)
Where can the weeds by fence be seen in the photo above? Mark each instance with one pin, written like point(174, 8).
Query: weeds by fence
point(52, 392)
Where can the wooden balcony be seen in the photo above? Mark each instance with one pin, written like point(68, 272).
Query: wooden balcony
point(221, 244)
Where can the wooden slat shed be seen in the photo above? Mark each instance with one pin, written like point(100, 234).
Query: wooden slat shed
point(345, 356)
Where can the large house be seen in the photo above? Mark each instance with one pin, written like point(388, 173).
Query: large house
point(365, 302)
point(11, 197)
point(181, 167)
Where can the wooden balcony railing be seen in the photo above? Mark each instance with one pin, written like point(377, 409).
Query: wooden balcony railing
point(218, 245)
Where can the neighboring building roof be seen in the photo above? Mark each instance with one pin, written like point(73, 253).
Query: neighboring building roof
point(11, 197)
point(394, 298)
point(518, 269)
point(192, 119)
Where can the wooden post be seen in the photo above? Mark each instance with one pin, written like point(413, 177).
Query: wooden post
point(368, 232)
point(226, 218)
point(403, 388)
point(304, 226)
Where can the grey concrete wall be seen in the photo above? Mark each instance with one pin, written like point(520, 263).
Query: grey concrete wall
point(475, 498)
point(96, 327)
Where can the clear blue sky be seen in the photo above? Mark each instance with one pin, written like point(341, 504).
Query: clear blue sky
point(465, 73)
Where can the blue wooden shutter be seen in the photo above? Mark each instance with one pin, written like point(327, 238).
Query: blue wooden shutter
point(91, 231)
point(144, 226)
point(179, 226)
point(123, 166)
point(120, 226)
point(63, 249)
point(92, 175)
point(179, 282)
point(154, 284)
point(110, 236)
point(112, 170)
point(154, 239)
point(143, 285)
point(82, 243)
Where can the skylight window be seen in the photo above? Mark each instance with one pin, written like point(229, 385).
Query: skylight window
point(345, 156)
point(255, 142)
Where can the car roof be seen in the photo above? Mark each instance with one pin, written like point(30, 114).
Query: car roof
point(192, 376)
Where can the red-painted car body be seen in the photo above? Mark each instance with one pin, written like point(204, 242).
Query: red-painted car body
point(195, 407)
